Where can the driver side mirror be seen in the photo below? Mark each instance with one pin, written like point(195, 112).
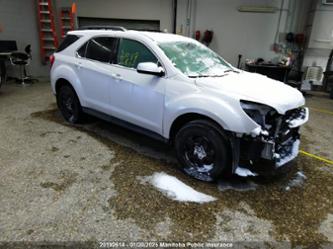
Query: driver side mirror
point(150, 68)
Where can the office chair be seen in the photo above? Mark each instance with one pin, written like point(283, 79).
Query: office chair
point(27, 50)
point(21, 60)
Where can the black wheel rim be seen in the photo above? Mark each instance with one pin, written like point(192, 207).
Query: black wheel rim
point(200, 155)
point(67, 105)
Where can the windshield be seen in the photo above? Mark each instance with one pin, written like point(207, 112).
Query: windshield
point(194, 59)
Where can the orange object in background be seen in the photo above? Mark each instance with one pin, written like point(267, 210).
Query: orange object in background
point(74, 8)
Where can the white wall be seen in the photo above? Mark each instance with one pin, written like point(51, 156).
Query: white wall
point(18, 19)
point(249, 34)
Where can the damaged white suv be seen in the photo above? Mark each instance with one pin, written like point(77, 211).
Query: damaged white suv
point(176, 89)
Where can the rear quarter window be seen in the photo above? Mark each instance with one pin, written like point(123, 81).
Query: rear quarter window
point(69, 40)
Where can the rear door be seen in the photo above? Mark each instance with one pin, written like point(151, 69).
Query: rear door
point(93, 67)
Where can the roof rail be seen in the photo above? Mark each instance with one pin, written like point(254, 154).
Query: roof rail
point(120, 28)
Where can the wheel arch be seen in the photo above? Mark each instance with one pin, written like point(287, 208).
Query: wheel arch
point(184, 118)
point(207, 122)
point(61, 82)
point(64, 74)
point(64, 81)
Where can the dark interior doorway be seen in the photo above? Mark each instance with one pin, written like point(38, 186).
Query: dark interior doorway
point(149, 25)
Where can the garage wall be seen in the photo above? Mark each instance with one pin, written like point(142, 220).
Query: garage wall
point(18, 20)
point(126, 9)
point(249, 34)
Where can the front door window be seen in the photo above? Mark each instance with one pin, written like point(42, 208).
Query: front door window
point(131, 53)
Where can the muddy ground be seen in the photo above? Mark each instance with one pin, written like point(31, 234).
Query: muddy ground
point(82, 183)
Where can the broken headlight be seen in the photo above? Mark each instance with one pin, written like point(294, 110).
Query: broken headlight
point(257, 112)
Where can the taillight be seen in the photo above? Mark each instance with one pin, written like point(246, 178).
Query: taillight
point(52, 59)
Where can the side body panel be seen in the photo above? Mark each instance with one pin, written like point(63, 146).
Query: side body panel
point(185, 97)
point(63, 68)
point(138, 98)
point(148, 101)
point(96, 79)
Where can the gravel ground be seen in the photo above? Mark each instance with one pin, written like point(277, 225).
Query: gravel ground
point(82, 183)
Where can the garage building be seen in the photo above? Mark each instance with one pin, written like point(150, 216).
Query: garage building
point(97, 182)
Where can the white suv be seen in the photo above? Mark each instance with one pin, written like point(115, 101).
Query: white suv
point(175, 89)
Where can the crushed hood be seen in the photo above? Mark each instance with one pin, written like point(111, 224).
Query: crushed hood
point(256, 88)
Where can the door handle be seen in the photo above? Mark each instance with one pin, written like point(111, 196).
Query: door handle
point(117, 76)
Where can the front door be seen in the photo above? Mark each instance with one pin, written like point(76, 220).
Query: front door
point(135, 97)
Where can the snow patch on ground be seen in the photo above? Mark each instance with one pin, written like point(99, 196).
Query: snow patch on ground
point(177, 190)
point(244, 172)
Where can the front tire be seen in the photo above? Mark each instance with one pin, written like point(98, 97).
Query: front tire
point(202, 150)
point(69, 104)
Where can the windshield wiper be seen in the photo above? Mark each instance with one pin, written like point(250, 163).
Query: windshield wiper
point(231, 70)
point(197, 76)
point(203, 76)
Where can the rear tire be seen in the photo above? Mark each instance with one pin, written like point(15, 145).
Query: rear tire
point(202, 150)
point(69, 104)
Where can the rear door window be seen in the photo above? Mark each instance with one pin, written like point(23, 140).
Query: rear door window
point(131, 53)
point(101, 49)
point(69, 40)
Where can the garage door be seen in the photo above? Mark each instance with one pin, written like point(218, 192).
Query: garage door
point(151, 25)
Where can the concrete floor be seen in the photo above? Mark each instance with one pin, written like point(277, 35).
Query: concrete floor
point(82, 183)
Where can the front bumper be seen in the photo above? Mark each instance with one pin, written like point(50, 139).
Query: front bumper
point(275, 149)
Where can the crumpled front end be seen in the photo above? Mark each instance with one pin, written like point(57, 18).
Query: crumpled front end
point(275, 143)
